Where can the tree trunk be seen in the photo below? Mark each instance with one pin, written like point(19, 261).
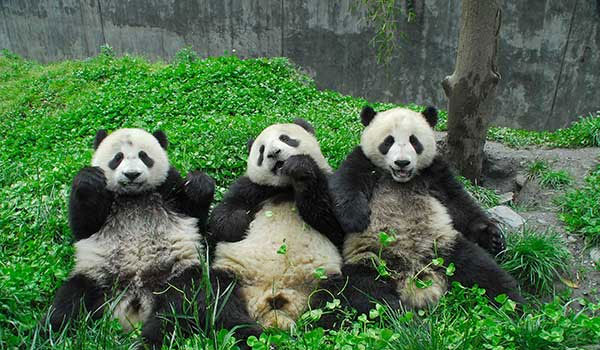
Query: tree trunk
point(470, 88)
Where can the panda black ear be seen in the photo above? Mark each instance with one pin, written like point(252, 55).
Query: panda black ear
point(431, 115)
point(366, 115)
point(305, 125)
point(100, 135)
point(162, 138)
point(249, 144)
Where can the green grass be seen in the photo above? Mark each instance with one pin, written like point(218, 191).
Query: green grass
point(487, 197)
point(536, 259)
point(208, 108)
point(580, 209)
point(537, 168)
point(547, 177)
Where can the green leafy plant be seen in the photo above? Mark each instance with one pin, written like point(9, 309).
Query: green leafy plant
point(536, 259)
point(555, 179)
point(537, 168)
point(488, 198)
point(580, 209)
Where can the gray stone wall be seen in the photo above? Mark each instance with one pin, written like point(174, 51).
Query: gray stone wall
point(549, 54)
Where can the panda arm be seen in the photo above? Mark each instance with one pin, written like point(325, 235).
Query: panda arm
point(312, 197)
point(89, 202)
point(230, 219)
point(467, 216)
point(352, 187)
point(191, 196)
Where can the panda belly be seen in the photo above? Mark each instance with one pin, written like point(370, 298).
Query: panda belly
point(276, 286)
point(423, 231)
point(141, 246)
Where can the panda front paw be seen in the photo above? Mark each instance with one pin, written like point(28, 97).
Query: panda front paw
point(355, 216)
point(88, 182)
point(488, 235)
point(300, 168)
point(199, 187)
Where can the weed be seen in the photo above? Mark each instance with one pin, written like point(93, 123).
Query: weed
point(580, 209)
point(536, 259)
point(555, 179)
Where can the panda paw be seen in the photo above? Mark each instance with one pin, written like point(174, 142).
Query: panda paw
point(489, 236)
point(300, 168)
point(355, 216)
point(89, 181)
point(199, 187)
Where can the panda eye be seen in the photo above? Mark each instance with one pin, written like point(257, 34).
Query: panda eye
point(146, 159)
point(414, 141)
point(289, 141)
point(261, 155)
point(114, 163)
point(387, 143)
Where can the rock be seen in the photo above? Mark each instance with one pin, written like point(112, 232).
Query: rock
point(507, 217)
point(520, 180)
point(506, 197)
point(595, 254)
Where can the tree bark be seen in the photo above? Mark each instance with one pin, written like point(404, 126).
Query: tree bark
point(470, 89)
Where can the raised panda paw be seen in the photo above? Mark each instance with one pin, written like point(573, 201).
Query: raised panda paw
point(199, 187)
point(488, 236)
point(300, 168)
point(89, 182)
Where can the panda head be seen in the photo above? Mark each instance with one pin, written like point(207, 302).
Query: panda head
point(399, 141)
point(274, 145)
point(133, 160)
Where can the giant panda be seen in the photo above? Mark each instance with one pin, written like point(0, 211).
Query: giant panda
point(138, 235)
point(395, 182)
point(277, 236)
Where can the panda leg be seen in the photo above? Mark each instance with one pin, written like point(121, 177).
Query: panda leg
point(234, 312)
point(475, 266)
point(77, 293)
point(364, 288)
point(326, 291)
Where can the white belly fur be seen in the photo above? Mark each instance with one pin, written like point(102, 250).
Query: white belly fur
point(423, 231)
point(131, 252)
point(265, 274)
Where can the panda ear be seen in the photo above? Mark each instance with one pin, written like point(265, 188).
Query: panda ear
point(100, 135)
point(249, 144)
point(305, 125)
point(162, 138)
point(366, 115)
point(431, 115)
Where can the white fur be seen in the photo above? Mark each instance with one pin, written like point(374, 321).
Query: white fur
point(269, 137)
point(400, 123)
point(139, 238)
point(130, 142)
point(423, 231)
point(267, 274)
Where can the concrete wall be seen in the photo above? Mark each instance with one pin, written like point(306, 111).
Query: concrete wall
point(549, 54)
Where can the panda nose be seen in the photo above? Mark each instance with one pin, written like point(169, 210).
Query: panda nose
point(274, 154)
point(132, 175)
point(402, 163)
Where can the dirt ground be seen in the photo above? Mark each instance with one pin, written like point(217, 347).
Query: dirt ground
point(505, 170)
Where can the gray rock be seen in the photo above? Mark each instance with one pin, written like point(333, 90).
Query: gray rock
point(520, 179)
point(506, 197)
point(506, 217)
point(595, 254)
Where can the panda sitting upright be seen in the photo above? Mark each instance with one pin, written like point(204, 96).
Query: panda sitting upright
point(136, 223)
point(395, 183)
point(276, 231)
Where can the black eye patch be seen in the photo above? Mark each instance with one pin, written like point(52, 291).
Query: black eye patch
point(261, 155)
point(114, 163)
point(146, 159)
point(385, 146)
point(414, 141)
point(289, 141)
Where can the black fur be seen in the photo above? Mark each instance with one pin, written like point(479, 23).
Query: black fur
point(366, 115)
point(144, 157)
point(414, 141)
point(387, 143)
point(311, 193)
point(431, 115)
point(162, 138)
point(249, 144)
point(183, 295)
point(305, 125)
point(289, 141)
point(467, 216)
point(89, 202)
point(78, 293)
point(100, 135)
